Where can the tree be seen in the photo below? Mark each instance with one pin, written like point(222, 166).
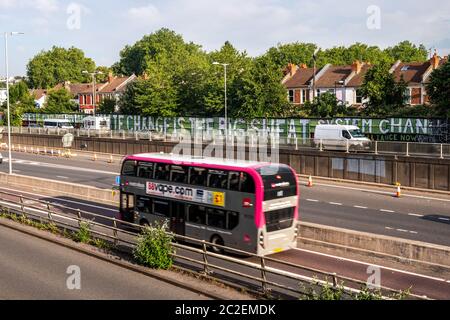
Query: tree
point(20, 101)
point(49, 68)
point(103, 76)
point(438, 89)
point(297, 53)
point(60, 101)
point(407, 52)
point(107, 106)
point(384, 94)
point(327, 106)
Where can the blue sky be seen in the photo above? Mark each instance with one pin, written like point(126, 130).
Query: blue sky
point(105, 27)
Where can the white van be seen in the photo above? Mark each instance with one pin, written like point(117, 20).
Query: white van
point(337, 137)
point(57, 123)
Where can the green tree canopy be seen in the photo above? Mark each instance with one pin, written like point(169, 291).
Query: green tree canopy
point(327, 106)
point(438, 89)
point(60, 101)
point(383, 93)
point(407, 52)
point(107, 106)
point(20, 101)
point(49, 68)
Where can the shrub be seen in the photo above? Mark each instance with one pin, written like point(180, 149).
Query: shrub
point(154, 247)
point(83, 234)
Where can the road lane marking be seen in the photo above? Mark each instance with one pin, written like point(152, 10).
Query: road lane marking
point(387, 211)
point(312, 200)
point(444, 219)
point(414, 232)
point(389, 228)
point(62, 177)
point(336, 203)
point(415, 215)
point(360, 207)
point(402, 230)
point(62, 200)
point(374, 265)
point(381, 192)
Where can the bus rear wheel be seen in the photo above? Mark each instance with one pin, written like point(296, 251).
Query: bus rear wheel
point(218, 241)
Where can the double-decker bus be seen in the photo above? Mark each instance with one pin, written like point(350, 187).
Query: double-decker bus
point(250, 206)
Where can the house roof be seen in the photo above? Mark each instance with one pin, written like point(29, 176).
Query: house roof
point(333, 75)
point(358, 79)
point(38, 93)
point(301, 78)
point(412, 72)
point(116, 85)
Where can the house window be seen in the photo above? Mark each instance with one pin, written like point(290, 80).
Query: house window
point(359, 97)
point(291, 96)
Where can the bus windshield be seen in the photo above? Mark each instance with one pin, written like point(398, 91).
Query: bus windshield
point(279, 182)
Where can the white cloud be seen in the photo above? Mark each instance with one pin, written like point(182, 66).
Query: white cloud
point(144, 16)
point(43, 6)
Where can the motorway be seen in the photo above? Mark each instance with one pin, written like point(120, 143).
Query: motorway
point(416, 216)
point(37, 269)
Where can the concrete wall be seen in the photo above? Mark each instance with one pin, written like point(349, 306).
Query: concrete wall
point(415, 172)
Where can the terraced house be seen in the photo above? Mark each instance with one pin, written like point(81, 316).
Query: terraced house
point(345, 81)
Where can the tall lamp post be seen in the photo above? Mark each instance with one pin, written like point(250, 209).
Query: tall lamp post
point(225, 65)
point(7, 96)
point(93, 74)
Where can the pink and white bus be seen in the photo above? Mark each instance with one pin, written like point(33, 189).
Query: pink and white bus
point(250, 206)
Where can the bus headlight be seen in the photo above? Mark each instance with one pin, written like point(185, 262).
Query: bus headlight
point(261, 240)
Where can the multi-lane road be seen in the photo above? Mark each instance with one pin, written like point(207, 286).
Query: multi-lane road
point(37, 269)
point(415, 216)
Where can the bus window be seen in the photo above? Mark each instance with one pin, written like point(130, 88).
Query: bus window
point(145, 170)
point(129, 169)
point(233, 220)
point(179, 174)
point(143, 204)
point(198, 176)
point(162, 172)
point(279, 182)
point(217, 179)
point(197, 214)
point(161, 208)
point(216, 218)
point(234, 181)
point(247, 183)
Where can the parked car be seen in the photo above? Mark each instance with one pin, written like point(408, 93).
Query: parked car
point(337, 137)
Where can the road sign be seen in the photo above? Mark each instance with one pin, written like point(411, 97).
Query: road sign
point(67, 140)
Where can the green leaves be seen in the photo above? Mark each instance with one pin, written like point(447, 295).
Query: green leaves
point(59, 101)
point(57, 65)
point(438, 89)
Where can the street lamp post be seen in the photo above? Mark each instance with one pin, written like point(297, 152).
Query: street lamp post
point(225, 65)
point(7, 97)
point(93, 74)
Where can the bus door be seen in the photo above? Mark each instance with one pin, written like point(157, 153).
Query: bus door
point(178, 218)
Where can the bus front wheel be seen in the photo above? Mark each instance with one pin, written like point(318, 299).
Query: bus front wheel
point(218, 241)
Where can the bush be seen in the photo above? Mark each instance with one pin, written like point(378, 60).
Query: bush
point(154, 248)
point(83, 234)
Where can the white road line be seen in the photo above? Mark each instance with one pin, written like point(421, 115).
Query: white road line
point(336, 203)
point(380, 192)
point(64, 167)
point(312, 200)
point(387, 211)
point(360, 207)
point(415, 215)
point(374, 265)
point(389, 228)
point(413, 232)
point(69, 201)
point(402, 230)
point(444, 219)
point(62, 177)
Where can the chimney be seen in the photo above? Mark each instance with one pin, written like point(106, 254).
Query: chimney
point(292, 69)
point(435, 60)
point(357, 66)
point(110, 77)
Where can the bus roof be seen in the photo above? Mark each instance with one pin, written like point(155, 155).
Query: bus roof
point(186, 160)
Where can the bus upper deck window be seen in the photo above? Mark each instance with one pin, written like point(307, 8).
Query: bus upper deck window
point(129, 168)
point(247, 183)
point(198, 176)
point(162, 172)
point(145, 170)
point(234, 181)
point(217, 179)
point(179, 174)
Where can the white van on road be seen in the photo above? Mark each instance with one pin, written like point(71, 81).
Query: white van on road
point(57, 123)
point(338, 137)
